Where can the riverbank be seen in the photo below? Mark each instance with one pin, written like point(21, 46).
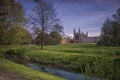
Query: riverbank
point(23, 71)
point(88, 59)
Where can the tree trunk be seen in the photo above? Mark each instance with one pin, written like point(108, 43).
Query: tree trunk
point(42, 45)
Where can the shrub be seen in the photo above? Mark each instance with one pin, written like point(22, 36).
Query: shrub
point(14, 53)
point(2, 50)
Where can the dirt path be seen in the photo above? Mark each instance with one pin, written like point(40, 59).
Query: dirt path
point(9, 76)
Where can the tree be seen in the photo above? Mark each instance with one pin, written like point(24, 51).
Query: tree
point(18, 35)
point(11, 15)
point(47, 39)
point(56, 38)
point(116, 16)
point(3, 34)
point(58, 28)
point(110, 32)
point(43, 18)
point(53, 38)
point(106, 34)
point(3, 18)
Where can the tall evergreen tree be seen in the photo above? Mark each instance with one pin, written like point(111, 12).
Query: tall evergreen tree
point(110, 32)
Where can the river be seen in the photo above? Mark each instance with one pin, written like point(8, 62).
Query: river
point(61, 73)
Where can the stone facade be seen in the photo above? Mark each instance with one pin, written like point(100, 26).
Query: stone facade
point(81, 37)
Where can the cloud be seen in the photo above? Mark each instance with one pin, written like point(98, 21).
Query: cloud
point(85, 14)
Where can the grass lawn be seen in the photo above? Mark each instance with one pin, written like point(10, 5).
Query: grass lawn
point(89, 59)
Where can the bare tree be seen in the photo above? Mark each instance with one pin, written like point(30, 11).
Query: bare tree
point(43, 17)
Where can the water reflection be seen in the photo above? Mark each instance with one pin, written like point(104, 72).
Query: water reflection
point(65, 74)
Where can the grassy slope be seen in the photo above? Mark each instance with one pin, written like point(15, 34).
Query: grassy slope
point(25, 72)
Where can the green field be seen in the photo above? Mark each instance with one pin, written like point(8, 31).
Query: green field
point(88, 59)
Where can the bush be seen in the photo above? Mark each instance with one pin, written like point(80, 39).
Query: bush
point(14, 53)
point(2, 50)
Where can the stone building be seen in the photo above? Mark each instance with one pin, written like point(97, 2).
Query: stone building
point(80, 37)
point(66, 39)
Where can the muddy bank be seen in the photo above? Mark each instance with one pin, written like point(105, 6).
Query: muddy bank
point(4, 75)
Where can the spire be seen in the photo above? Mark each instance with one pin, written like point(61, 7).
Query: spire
point(74, 34)
point(79, 35)
point(86, 34)
point(79, 31)
point(74, 31)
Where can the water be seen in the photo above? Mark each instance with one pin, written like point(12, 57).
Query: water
point(65, 74)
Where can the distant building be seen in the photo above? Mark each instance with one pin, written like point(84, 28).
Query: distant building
point(65, 39)
point(80, 37)
point(33, 37)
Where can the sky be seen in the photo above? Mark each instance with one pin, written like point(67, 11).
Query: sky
point(88, 15)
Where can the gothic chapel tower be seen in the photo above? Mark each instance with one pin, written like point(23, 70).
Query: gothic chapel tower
point(77, 36)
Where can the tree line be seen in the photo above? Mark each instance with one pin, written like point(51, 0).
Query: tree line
point(45, 24)
point(12, 22)
point(110, 31)
point(43, 21)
